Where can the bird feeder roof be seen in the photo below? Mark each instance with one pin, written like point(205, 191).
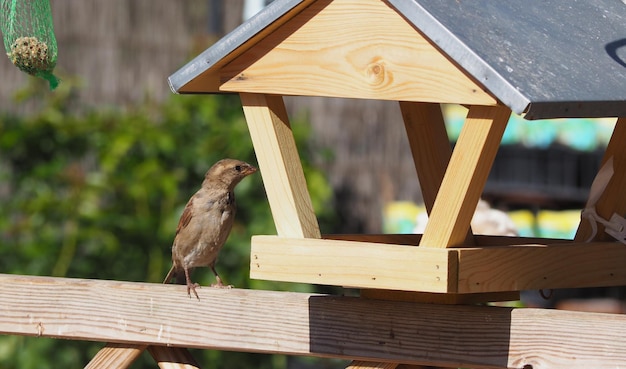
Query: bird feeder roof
point(541, 58)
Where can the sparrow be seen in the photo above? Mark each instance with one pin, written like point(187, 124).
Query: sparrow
point(206, 222)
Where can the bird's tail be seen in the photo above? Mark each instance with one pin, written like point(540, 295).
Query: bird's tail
point(177, 274)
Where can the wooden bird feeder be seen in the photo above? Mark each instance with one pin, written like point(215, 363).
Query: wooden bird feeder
point(423, 54)
point(543, 59)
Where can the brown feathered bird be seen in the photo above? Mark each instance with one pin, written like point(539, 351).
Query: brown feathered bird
point(206, 222)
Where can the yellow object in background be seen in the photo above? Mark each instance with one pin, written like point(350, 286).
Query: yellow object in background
point(558, 224)
point(401, 217)
point(524, 221)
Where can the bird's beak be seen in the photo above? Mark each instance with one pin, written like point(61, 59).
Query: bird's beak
point(249, 170)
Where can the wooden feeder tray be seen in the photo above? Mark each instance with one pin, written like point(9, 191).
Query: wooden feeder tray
point(394, 262)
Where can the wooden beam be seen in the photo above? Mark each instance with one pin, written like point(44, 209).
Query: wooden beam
point(430, 147)
point(354, 49)
point(613, 199)
point(465, 177)
point(280, 166)
point(353, 264)
point(310, 324)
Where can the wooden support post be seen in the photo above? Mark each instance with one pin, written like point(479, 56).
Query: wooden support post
point(280, 166)
point(613, 200)
point(430, 147)
point(173, 357)
point(121, 356)
point(116, 356)
point(465, 177)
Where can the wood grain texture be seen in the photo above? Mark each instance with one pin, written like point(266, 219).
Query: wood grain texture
point(280, 166)
point(430, 147)
point(613, 199)
point(116, 356)
point(309, 324)
point(465, 177)
point(350, 48)
point(531, 267)
point(353, 264)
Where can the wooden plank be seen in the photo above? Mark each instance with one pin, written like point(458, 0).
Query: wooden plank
point(430, 147)
point(613, 199)
point(280, 166)
point(351, 48)
point(465, 177)
point(540, 266)
point(353, 264)
point(309, 324)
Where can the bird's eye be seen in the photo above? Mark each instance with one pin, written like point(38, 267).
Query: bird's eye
point(238, 168)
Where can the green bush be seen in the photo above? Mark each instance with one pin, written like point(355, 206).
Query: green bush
point(98, 194)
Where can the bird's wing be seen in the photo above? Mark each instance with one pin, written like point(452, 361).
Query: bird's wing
point(186, 217)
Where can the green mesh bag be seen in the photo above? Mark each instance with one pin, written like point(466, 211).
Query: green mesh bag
point(28, 34)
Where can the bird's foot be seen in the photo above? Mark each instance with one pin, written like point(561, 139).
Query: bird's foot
point(220, 284)
point(192, 287)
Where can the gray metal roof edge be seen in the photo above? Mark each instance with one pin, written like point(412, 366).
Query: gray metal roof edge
point(574, 109)
point(230, 42)
point(462, 54)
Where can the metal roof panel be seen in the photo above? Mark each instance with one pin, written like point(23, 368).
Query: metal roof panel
point(550, 58)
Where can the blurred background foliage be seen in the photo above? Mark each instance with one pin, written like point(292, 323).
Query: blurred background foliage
point(97, 193)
